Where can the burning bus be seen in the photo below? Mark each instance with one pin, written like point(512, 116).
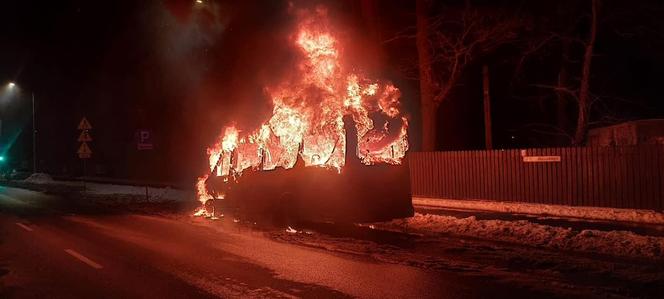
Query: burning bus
point(334, 147)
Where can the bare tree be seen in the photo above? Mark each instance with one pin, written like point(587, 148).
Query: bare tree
point(569, 89)
point(584, 88)
point(446, 44)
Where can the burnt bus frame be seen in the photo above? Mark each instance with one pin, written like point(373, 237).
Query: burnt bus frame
point(356, 193)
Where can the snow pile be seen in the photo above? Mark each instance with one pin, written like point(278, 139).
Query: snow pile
point(154, 194)
point(166, 193)
point(39, 178)
point(596, 213)
point(616, 243)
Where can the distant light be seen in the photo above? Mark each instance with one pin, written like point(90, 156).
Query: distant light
point(2, 158)
point(11, 84)
point(199, 1)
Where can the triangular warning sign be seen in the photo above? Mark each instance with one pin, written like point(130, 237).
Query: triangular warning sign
point(85, 136)
point(84, 124)
point(84, 149)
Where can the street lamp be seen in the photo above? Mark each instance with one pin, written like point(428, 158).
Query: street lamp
point(12, 85)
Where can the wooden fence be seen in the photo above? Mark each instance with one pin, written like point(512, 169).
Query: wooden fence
point(619, 177)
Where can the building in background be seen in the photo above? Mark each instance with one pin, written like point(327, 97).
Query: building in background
point(644, 131)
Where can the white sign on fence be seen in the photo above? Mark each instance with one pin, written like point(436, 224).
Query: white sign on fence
point(541, 159)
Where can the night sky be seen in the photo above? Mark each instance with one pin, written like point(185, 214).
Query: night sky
point(184, 70)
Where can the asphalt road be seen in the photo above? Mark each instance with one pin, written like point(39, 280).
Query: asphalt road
point(52, 248)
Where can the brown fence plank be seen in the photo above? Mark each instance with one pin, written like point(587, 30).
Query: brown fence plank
point(425, 170)
point(641, 177)
point(444, 168)
point(483, 173)
point(646, 176)
point(517, 174)
point(462, 179)
point(468, 162)
point(506, 175)
point(463, 172)
point(528, 177)
point(495, 173)
point(543, 177)
point(429, 167)
point(660, 175)
point(604, 177)
point(569, 167)
point(466, 174)
point(453, 179)
point(561, 179)
point(649, 178)
point(582, 167)
point(438, 191)
point(592, 177)
point(513, 195)
point(614, 157)
point(539, 195)
point(571, 152)
point(440, 175)
point(436, 177)
point(557, 176)
point(424, 181)
point(454, 156)
point(575, 176)
point(564, 194)
point(624, 198)
point(417, 161)
point(638, 178)
point(608, 168)
point(606, 164)
point(499, 176)
point(632, 191)
point(638, 163)
point(550, 176)
point(652, 178)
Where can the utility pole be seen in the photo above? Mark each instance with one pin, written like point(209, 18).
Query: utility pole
point(487, 108)
point(34, 136)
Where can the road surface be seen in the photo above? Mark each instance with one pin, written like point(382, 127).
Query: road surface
point(53, 248)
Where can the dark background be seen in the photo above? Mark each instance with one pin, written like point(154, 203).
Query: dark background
point(184, 70)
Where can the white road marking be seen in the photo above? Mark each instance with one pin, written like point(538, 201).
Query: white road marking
point(84, 259)
point(23, 226)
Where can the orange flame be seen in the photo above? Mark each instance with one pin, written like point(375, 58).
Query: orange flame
point(307, 116)
point(201, 189)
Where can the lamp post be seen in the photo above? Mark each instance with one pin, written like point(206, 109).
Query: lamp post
point(12, 85)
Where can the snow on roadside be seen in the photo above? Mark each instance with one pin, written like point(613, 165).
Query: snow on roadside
point(155, 194)
point(39, 178)
point(595, 213)
point(615, 243)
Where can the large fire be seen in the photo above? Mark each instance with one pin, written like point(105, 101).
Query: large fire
point(308, 116)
